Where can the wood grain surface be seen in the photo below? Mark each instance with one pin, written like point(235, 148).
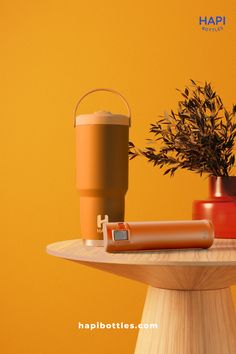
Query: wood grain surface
point(222, 252)
point(196, 322)
point(190, 269)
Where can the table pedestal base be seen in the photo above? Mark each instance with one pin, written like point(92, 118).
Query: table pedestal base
point(196, 322)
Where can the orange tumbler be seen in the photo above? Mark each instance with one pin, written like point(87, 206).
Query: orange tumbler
point(102, 141)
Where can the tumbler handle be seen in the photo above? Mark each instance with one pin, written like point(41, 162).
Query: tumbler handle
point(101, 89)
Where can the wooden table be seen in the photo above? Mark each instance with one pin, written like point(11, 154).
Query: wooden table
point(188, 295)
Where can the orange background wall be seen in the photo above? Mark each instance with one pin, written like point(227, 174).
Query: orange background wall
point(52, 52)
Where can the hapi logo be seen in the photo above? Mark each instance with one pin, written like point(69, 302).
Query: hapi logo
point(212, 24)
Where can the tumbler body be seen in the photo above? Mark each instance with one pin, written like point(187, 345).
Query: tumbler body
point(101, 171)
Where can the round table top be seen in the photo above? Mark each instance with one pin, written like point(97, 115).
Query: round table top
point(221, 253)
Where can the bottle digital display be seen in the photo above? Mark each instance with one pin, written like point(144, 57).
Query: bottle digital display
point(120, 235)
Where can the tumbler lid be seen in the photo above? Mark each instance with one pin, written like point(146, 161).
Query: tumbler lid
point(102, 117)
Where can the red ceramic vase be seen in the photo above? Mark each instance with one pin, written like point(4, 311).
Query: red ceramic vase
point(220, 208)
